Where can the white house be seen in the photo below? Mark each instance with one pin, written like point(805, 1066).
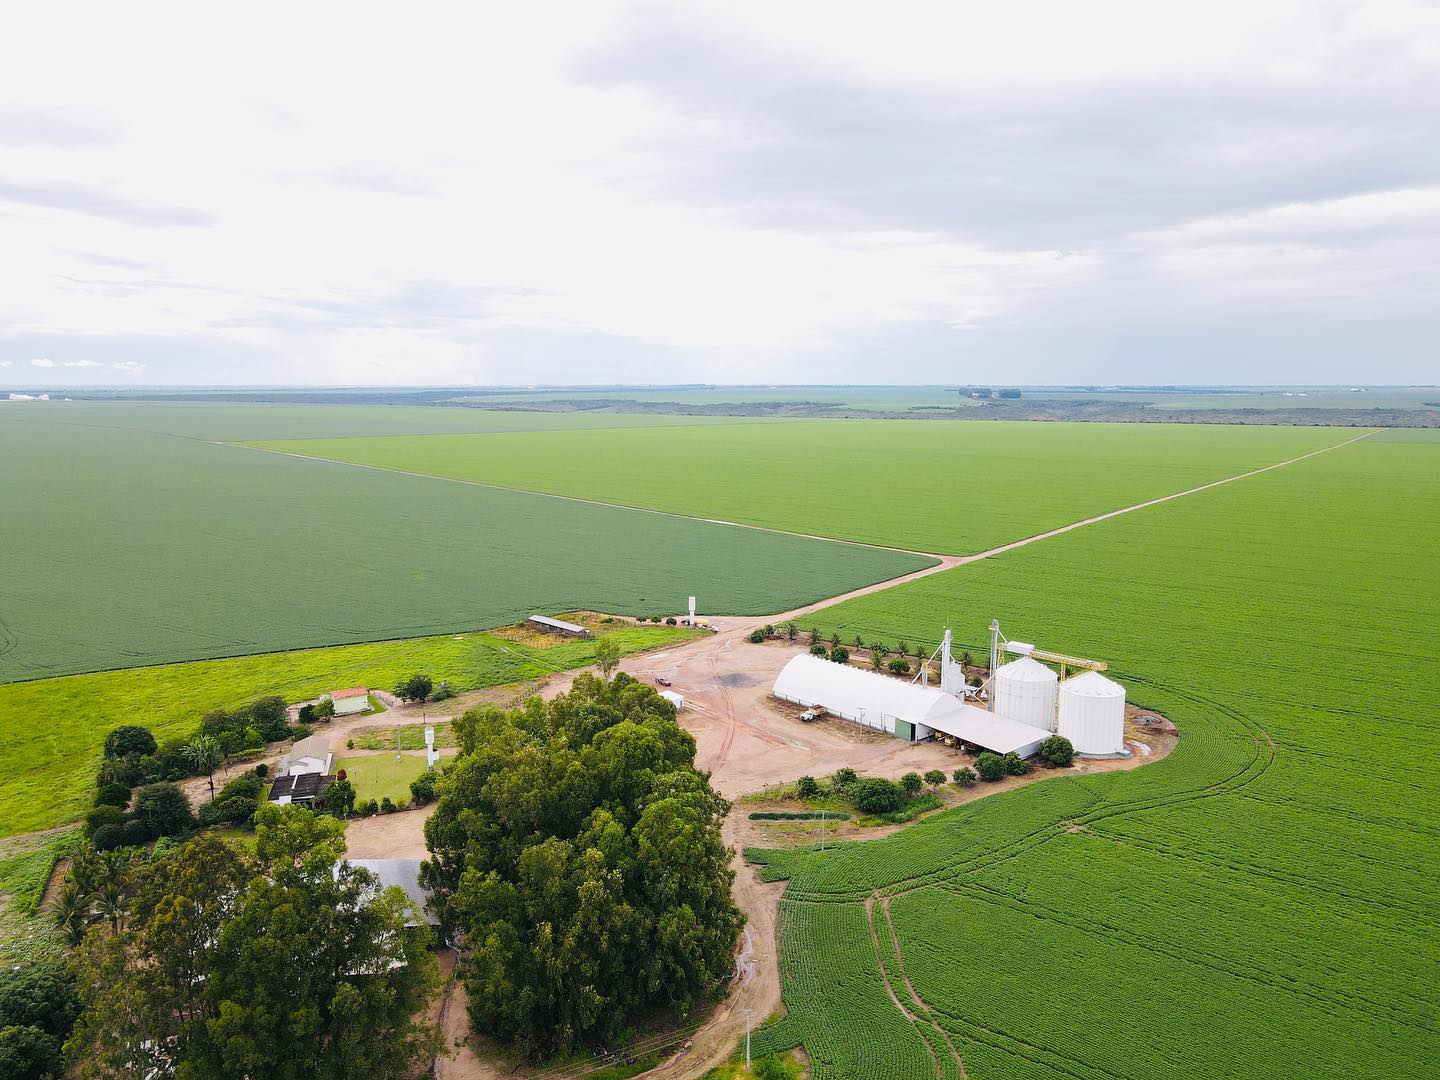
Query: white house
point(351, 701)
point(309, 755)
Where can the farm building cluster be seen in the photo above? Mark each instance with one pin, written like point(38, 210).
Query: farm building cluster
point(1026, 701)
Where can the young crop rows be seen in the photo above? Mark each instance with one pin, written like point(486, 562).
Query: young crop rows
point(1261, 903)
point(124, 547)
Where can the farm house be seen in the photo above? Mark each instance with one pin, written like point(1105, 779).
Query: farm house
point(351, 701)
point(903, 709)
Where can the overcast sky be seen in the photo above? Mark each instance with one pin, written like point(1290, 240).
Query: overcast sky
point(770, 192)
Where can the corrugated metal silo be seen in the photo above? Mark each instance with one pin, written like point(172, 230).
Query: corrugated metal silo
point(1025, 691)
point(1092, 714)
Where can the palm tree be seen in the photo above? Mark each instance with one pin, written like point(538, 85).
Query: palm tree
point(84, 868)
point(111, 902)
point(791, 630)
point(877, 658)
point(72, 911)
point(204, 755)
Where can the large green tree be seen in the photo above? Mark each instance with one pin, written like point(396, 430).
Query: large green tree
point(578, 850)
point(286, 964)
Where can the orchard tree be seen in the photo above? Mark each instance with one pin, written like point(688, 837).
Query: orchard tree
point(935, 777)
point(1058, 751)
point(911, 784)
point(964, 777)
point(990, 766)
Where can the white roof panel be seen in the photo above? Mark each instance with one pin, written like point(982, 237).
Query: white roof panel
point(849, 691)
point(987, 729)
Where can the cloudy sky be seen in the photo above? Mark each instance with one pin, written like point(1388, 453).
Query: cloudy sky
point(768, 192)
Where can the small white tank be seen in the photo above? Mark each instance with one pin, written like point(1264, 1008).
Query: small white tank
point(1025, 691)
point(1092, 714)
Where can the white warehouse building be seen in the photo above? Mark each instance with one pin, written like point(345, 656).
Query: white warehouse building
point(903, 709)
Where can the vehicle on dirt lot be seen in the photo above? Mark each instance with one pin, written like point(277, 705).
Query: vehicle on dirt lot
point(815, 712)
point(661, 681)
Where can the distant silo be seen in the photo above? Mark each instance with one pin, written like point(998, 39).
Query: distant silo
point(1092, 714)
point(1025, 691)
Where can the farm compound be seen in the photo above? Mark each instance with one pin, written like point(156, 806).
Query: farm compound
point(1028, 702)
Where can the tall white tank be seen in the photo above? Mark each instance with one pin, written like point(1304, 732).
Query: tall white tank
point(1025, 691)
point(1092, 714)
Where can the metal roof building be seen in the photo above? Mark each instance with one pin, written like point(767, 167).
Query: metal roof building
point(558, 626)
point(404, 873)
point(903, 709)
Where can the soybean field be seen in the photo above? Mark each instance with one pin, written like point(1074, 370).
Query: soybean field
point(1261, 903)
point(936, 486)
point(125, 545)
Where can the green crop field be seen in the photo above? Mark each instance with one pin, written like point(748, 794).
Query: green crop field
point(1261, 903)
point(924, 485)
point(236, 421)
point(48, 776)
point(121, 547)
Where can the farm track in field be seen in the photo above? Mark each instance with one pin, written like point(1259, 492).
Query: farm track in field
point(960, 559)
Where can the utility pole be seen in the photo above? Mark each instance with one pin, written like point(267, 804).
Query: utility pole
point(749, 1013)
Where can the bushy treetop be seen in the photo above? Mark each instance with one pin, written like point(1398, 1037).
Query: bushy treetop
point(577, 847)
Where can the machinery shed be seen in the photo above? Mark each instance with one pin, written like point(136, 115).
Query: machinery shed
point(991, 730)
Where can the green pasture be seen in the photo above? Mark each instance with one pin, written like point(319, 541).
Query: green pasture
point(1262, 903)
point(925, 485)
point(47, 776)
point(122, 547)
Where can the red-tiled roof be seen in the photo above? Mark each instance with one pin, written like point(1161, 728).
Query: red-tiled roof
point(354, 691)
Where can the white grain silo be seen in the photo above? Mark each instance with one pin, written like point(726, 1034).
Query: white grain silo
point(1092, 714)
point(1025, 691)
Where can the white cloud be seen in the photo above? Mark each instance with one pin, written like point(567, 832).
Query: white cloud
point(837, 180)
point(46, 362)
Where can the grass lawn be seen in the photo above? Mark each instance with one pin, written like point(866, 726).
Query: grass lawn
point(48, 777)
point(375, 776)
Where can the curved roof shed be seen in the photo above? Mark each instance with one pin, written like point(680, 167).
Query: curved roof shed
point(858, 695)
